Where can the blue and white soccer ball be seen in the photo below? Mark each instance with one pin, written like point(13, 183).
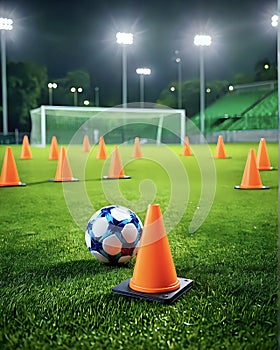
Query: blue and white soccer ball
point(113, 233)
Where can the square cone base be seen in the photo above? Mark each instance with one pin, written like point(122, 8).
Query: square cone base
point(166, 298)
point(242, 188)
point(116, 178)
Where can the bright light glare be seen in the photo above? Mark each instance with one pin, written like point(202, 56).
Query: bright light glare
point(143, 71)
point(80, 89)
point(202, 40)
point(266, 66)
point(86, 102)
point(6, 23)
point(172, 88)
point(208, 90)
point(124, 38)
point(178, 60)
point(52, 85)
point(274, 20)
point(73, 89)
point(230, 88)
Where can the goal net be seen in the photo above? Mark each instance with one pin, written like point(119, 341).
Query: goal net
point(117, 125)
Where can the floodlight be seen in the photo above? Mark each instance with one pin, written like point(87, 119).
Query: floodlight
point(80, 89)
point(124, 38)
point(6, 23)
point(143, 71)
point(202, 40)
point(73, 89)
point(274, 20)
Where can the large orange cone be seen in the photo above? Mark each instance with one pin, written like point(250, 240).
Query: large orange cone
point(186, 147)
point(154, 270)
point(220, 149)
point(9, 174)
point(54, 153)
point(251, 179)
point(116, 169)
point(101, 153)
point(25, 149)
point(137, 150)
point(263, 162)
point(63, 171)
point(86, 144)
point(154, 276)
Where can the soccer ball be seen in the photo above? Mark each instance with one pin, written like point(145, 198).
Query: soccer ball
point(113, 233)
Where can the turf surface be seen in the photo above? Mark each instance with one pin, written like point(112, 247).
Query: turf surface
point(55, 295)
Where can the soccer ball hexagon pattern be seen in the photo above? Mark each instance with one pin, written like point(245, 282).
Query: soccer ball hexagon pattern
point(113, 234)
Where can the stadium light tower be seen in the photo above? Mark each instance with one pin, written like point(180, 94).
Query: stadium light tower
point(96, 96)
point(142, 72)
point(178, 60)
point(275, 23)
point(75, 94)
point(51, 86)
point(124, 39)
point(5, 24)
point(201, 41)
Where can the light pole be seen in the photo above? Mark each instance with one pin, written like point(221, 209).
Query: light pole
point(179, 62)
point(75, 94)
point(142, 72)
point(5, 24)
point(96, 96)
point(201, 41)
point(275, 23)
point(124, 39)
point(51, 86)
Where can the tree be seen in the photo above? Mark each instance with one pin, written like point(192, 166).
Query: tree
point(26, 84)
point(191, 95)
point(75, 79)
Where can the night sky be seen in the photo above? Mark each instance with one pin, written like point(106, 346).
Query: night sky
point(69, 35)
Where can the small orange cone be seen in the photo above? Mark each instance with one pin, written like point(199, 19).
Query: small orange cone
point(101, 153)
point(220, 149)
point(54, 153)
point(63, 170)
point(116, 169)
point(251, 179)
point(86, 144)
point(263, 162)
point(9, 174)
point(154, 276)
point(186, 148)
point(137, 150)
point(25, 149)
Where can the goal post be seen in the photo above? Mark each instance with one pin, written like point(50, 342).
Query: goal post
point(117, 125)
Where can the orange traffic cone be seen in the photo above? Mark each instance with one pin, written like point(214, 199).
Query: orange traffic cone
point(137, 150)
point(154, 276)
point(54, 154)
point(101, 153)
point(186, 148)
point(251, 179)
point(9, 174)
point(220, 150)
point(116, 169)
point(86, 144)
point(63, 170)
point(263, 162)
point(25, 149)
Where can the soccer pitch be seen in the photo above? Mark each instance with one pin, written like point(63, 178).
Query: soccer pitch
point(55, 295)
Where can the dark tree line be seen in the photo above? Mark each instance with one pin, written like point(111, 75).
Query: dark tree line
point(28, 88)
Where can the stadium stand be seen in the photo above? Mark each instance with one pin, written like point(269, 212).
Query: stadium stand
point(247, 107)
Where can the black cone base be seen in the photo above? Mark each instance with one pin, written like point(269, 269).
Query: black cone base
point(166, 298)
point(243, 188)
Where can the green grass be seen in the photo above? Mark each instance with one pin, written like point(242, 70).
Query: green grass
point(55, 295)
